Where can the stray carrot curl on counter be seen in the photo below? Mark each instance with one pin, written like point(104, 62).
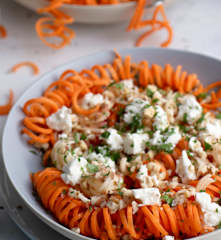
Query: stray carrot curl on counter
point(26, 64)
point(5, 109)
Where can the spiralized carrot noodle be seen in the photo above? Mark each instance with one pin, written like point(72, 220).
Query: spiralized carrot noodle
point(3, 32)
point(32, 65)
point(5, 109)
point(54, 33)
point(102, 203)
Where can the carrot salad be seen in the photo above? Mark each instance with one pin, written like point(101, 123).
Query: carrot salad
point(130, 150)
point(53, 30)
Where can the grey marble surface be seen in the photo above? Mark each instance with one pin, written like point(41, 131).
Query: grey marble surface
point(196, 26)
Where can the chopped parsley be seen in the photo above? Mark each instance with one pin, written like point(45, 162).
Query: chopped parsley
point(184, 128)
point(65, 158)
point(185, 117)
point(207, 146)
point(111, 84)
point(92, 168)
point(119, 86)
point(120, 112)
point(165, 147)
point(106, 174)
point(76, 137)
point(176, 98)
point(105, 134)
point(136, 123)
point(201, 119)
point(167, 199)
point(149, 93)
point(91, 149)
point(83, 136)
point(218, 115)
point(202, 95)
point(202, 190)
point(155, 100)
point(33, 152)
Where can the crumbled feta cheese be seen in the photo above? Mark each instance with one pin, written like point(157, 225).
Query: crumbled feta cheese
point(214, 128)
point(135, 108)
point(61, 155)
point(168, 237)
point(149, 112)
point(114, 140)
point(74, 170)
point(97, 199)
point(148, 196)
point(195, 145)
point(61, 120)
point(142, 173)
point(211, 210)
point(145, 180)
point(134, 143)
point(183, 194)
point(90, 100)
point(170, 137)
point(174, 136)
point(128, 83)
point(184, 168)
point(190, 108)
point(160, 120)
point(106, 161)
point(216, 153)
point(76, 230)
point(78, 195)
point(135, 207)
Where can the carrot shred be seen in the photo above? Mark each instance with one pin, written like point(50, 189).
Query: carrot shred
point(3, 32)
point(5, 109)
point(24, 64)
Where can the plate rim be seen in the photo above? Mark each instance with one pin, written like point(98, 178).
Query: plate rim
point(51, 222)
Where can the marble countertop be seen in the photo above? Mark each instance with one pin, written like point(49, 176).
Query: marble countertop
point(196, 28)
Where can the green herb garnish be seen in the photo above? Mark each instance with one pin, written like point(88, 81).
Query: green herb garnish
point(207, 146)
point(105, 134)
point(149, 93)
point(218, 115)
point(202, 95)
point(33, 152)
point(167, 199)
point(92, 168)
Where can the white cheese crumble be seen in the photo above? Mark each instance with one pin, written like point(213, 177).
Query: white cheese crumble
point(76, 230)
point(171, 137)
point(135, 143)
point(168, 237)
point(61, 120)
point(211, 210)
point(135, 108)
point(106, 161)
point(184, 168)
point(148, 196)
point(74, 170)
point(114, 140)
point(160, 120)
point(78, 195)
point(90, 100)
point(128, 83)
point(212, 130)
point(189, 109)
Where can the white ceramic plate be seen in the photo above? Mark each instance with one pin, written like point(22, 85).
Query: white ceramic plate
point(18, 160)
point(91, 14)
